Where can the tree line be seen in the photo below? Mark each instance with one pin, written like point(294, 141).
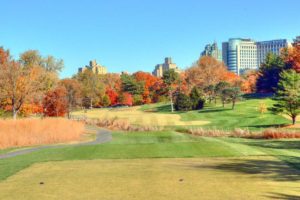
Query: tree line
point(31, 85)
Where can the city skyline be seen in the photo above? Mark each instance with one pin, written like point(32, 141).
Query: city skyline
point(132, 36)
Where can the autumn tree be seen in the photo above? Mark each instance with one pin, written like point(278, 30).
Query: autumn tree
point(55, 103)
point(207, 71)
point(112, 95)
point(287, 96)
point(249, 80)
point(73, 93)
point(92, 87)
point(50, 65)
point(170, 78)
point(125, 99)
point(291, 57)
point(18, 83)
point(149, 82)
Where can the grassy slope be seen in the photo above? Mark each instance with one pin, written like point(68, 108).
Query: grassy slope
point(157, 145)
point(245, 115)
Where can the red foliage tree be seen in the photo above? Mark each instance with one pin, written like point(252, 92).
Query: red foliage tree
point(126, 99)
point(55, 103)
point(149, 81)
point(113, 96)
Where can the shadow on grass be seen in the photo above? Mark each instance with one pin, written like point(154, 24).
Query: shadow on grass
point(271, 169)
point(269, 126)
point(277, 144)
point(283, 196)
point(214, 110)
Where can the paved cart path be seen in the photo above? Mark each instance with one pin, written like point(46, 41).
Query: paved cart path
point(102, 136)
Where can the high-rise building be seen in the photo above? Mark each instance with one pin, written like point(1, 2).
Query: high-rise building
point(161, 68)
point(266, 47)
point(213, 51)
point(297, 41)
point(94, 67)
point(241, 55)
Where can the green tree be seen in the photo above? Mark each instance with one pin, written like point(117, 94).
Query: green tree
point(210, 93)
point(92, 87)
point(183, 102)
point(220, 87)
point(170, 78)
point(197, 99)
point(287, 96)
point(105, 101)
point(131, 85)
point(137, 99)
point(269, 73)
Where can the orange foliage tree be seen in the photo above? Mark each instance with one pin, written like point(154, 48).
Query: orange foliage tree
point(249, 80)
point(291, 57)
point(149, 81)
point(18, 84)
point(55, 103)
point(207, 71)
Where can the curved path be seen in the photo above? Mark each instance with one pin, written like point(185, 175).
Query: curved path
point(102, 136)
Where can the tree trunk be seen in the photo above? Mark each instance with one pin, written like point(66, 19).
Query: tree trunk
point(171, 100)
point(294, 120)
point(91, 106)
point(15, 114)
point(233, 104)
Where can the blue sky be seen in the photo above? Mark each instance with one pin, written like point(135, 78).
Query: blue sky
point(132, 35)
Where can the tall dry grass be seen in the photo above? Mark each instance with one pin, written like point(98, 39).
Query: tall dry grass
point(29, 132)
point(121, 125)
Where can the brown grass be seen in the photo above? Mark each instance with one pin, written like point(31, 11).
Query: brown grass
point(280, 134)
point(245, 133)
point(29, 132)
point(121, 125)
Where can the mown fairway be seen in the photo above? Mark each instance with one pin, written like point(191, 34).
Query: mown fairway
point(135, 165)
point(245, 116)
point(135, 116)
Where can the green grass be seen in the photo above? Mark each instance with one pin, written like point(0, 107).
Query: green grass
point(167, 144)
point(158, 179)
point(132, 162)
point(244, 116)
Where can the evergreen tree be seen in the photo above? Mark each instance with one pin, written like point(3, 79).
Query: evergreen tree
point(183, 102)
point(288, 95)
point(269, 73)
point(196, 98)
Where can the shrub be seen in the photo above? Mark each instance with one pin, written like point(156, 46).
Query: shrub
point(197, 99)
point(183, 102)
point(28, 132)
point(138, 100)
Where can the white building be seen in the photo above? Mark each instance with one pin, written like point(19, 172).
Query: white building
point(240, 55)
